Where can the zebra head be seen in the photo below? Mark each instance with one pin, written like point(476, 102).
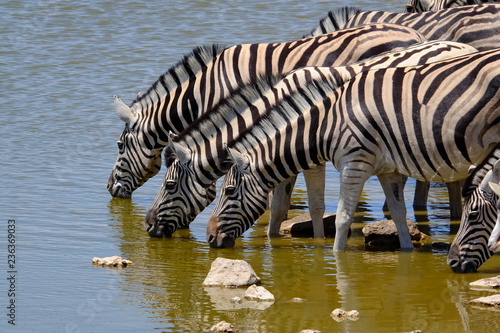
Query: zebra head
point(136, 162)
point(181, 197)
point(469, 249)
point(242, 199)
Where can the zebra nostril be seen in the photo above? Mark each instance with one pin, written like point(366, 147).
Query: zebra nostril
point(211, 239)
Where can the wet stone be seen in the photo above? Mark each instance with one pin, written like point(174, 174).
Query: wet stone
point(341, 315)
point(114, 261)
point(259, 293)
point(383, 234)
point(223, 326)
point(488, 302)
point(301, 226)
point(227, 272)
point(493, 282)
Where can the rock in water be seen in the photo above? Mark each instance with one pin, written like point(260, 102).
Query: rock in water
point(114, 261)
point(223, 326)
point(227, 272)
point(383, 234)
point(259, 293)
point(341, 315)
point(492, 282)
point(487, 302)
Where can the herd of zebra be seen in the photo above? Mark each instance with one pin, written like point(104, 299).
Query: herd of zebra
point(396, 95)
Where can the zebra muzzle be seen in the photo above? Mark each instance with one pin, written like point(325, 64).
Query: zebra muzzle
point(216, 238)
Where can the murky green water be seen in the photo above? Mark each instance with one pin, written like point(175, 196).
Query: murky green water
point(61, 63)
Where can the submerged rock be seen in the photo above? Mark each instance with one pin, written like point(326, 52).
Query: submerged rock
point(223, 326)
point(383, 234)
point(492, 282)
point(301, 226)
point(341, 315)
point(310, 331)
point(488, 302)
point(259, 293)
point(227, 272)
point(114, 261)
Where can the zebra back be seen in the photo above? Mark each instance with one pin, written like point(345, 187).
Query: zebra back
point(477, 25)
point(418, 6)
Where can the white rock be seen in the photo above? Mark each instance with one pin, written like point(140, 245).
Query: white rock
point(341, 315)
point(259, 293)
point(223, 327)
point(227, 272)
point(492, 282)
point(492, 302)
point(115, 261)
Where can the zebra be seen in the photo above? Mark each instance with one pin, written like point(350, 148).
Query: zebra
point(418, 6)
point(192, 157)
point(209, 74)
point(469, 249)
point(477, 25)
point(429, 122)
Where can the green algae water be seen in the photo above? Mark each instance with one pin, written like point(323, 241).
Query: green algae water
point(61, 63)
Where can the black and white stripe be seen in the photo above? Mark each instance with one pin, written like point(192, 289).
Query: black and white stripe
point(210, 74)
point(428, 122)
point(418, 6)
point(469, 249)
point(476, 25)
point(198, 150)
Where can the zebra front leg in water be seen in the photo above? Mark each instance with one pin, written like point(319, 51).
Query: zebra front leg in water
point(315, 183)
point(279, 204)
point(393, 187)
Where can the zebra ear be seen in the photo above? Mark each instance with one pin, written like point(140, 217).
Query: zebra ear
point(124, 112)
point(182, 153)
point(240, 160)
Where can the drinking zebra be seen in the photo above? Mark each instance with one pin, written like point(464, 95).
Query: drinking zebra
point(209, 74)
point(429, 122)
point(193, 156)
point(470, 248)
point(477, 25)
point(418, 6)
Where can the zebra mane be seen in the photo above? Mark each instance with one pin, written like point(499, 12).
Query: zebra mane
point(290, 107)
point(191, 63)
point(334, 20)
point(477, 175)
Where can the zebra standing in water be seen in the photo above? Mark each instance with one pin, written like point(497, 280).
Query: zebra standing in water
point(476, 25)
point(418, 6)
point(469, 249)
point(193, 156)
point(429, 122)
point(209, 74)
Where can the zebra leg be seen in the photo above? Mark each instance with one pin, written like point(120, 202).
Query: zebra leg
point(421, 195)
point(352, 180)
point(279, 204)
point(455, 195)
point(393, 188)
point(315, 183)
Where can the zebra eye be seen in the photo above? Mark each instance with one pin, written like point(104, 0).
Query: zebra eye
point(474, 215)
point(121, 146)
point(170, 185)
point(230, 189)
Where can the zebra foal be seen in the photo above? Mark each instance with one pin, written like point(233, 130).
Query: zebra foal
point(477, 238)
point(194, 156)
point(429, 122)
